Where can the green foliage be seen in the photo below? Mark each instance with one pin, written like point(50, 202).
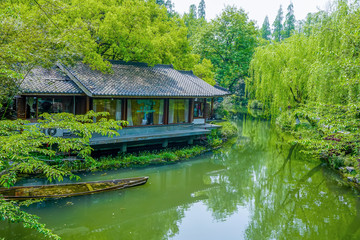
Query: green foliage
point(201, 9)
point(231, 106)
point(34, 33)
point(310, 84)
point(228, 129)
point(131, 160)
point(192, 11)
point(217, 136)
point(277, 25)
point(228, 42)
point(289, 24)
point(129, 30)
point(322, 67)
point(26, 149)
point(160, 2)
point(330, 132)
point(204, 70)
point(170, 7)
point(255, 104)
point(29, 38)
point(214, 138)
point(265, 30)
point(194, 24)
point(11, 212)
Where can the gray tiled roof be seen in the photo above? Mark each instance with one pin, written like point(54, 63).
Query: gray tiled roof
point(49, 81)
point(137, 79)
point(127, 79)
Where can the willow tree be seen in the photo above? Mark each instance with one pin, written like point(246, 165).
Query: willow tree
point(321, 67)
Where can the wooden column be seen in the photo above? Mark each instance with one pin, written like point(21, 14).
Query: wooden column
point(124, 110)
point(87, 109)
point(166, 111)
point(204, 109)
point(191, 110)
point(212, 108)
point(37, 108)
point(74, 105)
point(21, 108)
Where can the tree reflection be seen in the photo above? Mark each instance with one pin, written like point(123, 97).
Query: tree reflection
point(287, 195)
point(290, 197)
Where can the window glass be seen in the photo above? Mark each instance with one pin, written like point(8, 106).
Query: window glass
point(178, 110)
point(55, 105)
point(199, 109)
point(112, 106)
point(145, 112)
point(31, 107)
point(37, 106)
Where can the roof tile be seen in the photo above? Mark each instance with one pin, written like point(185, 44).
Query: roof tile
point(49, 81)
point(137, 79)
point(128, 79)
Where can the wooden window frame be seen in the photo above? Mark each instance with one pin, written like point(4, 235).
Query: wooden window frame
point(202, 102)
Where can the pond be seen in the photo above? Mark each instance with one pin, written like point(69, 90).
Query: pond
point(257, 187)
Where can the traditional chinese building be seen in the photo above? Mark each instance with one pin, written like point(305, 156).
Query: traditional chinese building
point(160, 104)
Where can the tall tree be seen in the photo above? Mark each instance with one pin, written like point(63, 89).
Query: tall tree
point(193, 23)
point(289, 24)
point(160, 2)
point(201, 9)
point(265, 29)
point(277, 25)
point(192, 11)
point(170, 7)
point(229, 42)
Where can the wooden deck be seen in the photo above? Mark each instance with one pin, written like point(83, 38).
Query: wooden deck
point(148, 135)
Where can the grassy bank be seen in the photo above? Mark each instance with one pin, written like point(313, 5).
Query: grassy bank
point(330, 133)
point(143, 158)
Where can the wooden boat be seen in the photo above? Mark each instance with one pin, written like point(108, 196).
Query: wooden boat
point(68, 189)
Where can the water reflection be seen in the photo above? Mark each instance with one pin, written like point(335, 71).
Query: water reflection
point(255, 188)
point(289, 197)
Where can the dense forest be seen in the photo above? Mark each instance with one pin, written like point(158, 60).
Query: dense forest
point(304, 75)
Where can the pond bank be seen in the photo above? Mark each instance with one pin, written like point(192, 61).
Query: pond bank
point(329, 133)
point(215, 140)
point(144, 158)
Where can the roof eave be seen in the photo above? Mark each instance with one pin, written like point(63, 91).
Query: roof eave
point(74, 79)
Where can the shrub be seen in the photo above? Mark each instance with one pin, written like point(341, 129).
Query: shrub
point(228, 130)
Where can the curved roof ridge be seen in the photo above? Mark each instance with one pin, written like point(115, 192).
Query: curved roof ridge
point(186, 72)
point(122, 62)
point(164, 66)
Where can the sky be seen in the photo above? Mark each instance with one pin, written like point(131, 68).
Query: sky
point(256, 9)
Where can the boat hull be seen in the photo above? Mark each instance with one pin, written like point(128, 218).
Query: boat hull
point(69, 189)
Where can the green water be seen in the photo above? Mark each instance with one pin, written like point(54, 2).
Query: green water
point(256, 188)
